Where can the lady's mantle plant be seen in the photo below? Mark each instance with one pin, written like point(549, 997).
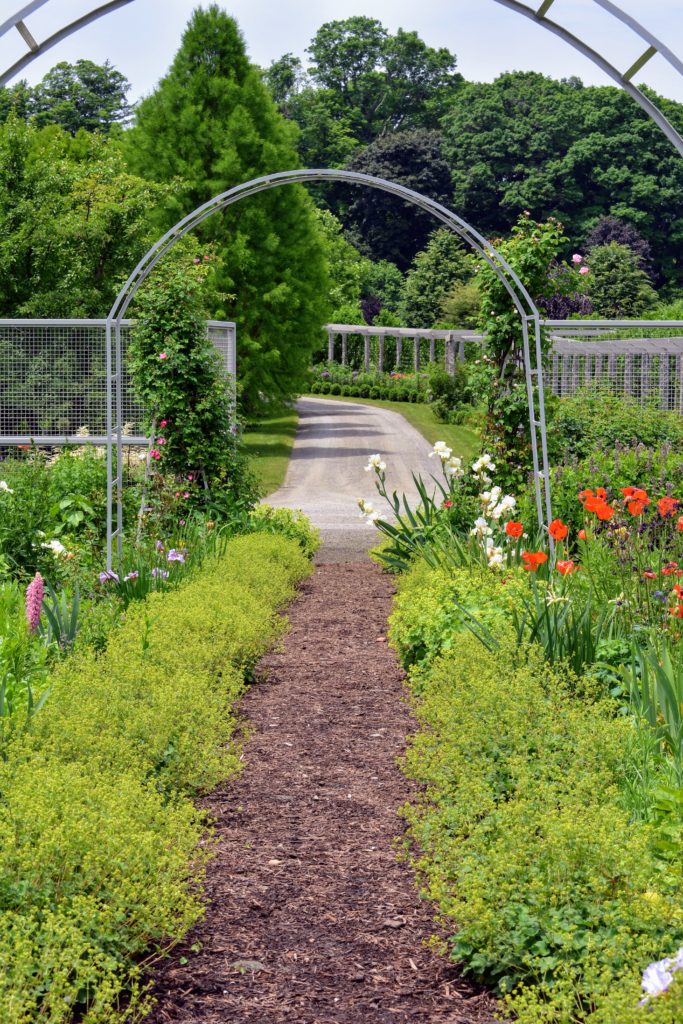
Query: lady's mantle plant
point(177, 374)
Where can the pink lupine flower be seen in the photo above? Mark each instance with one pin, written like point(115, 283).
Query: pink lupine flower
point(163, 355)
point(576, 258)
point(34, 602)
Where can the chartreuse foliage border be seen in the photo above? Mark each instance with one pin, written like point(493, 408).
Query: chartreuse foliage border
point(101, 850)
point(551, 892)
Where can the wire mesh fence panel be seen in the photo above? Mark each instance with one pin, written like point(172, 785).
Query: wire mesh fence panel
point(648, 370)
point(53, 381)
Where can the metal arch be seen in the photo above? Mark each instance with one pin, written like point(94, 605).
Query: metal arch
point(35, 48)
point(622, 79)
point(521, 299)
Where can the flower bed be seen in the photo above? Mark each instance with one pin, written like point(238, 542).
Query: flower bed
point(546, 666)
point(101, 854)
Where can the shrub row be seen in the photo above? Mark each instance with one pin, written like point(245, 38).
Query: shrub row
point(394, 393)
point(100, 853)
point(554, 892)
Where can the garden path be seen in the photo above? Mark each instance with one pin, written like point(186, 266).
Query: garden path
point(326, 473)
point(312, 919)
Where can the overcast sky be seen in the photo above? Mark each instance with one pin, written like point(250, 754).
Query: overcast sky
point(141, 38)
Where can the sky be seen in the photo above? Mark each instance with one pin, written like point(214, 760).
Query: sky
point(140, 39)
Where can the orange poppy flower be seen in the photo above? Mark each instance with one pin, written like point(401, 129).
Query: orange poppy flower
point(583, 535)
point(667, 507)
point(532, 559)
point(600, 507)
point(679, 525)
point(584, 495)
point(649, 575)
point(670, 569)
point(677, 612)
point(636, 508)
point(566, 567)
point(514, 529)
point(558, 530)
point(601, 493)
point(678, 589)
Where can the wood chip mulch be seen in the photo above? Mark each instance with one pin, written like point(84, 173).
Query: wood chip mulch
point(311, 917)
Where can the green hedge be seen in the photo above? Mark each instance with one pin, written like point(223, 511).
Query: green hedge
point(525, 844)
point(100, 856)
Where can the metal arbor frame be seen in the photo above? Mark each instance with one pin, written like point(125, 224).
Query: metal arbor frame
point(524, 304)
point(35, 49)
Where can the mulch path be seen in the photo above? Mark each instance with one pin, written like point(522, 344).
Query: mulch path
point(312, 918)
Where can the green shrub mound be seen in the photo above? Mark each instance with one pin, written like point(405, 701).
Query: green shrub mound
point(527, 845)
point(100, 855)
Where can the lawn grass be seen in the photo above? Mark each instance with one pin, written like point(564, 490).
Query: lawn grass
point(464, 441)
point(268, 442)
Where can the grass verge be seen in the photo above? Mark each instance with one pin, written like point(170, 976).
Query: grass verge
point(464, 441)
point(268, 442)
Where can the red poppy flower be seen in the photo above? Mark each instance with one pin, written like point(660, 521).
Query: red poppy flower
point(601, 493)
point(636, 507)
point(678, 589)
point(514, 529)
point(600, 507)
point(667, 507)
point(670, 569)
point(584, 495)
point(448, 504)
point(532, 559)
point(583, 535)
point(558, 530)
point(677, 612)
point(649, 575)
point(566, 567)
point(679, 525)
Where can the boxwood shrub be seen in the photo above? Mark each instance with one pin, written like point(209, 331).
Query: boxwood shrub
point(100, 854)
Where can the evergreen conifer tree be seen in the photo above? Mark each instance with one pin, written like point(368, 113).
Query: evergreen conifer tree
point(211, 124)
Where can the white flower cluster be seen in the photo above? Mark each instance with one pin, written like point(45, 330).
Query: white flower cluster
point(494, 555)
point(4, 486)
point(658, 976)
point(482, 467)
point(56, 547)
point(496, 504)
point(375, 463)
point(368, 511)
point(442, 451)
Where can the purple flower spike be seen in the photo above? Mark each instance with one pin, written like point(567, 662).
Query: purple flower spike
point(34, 602)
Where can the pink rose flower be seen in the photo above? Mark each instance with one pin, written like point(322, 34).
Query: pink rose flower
point(576, 258)
point(186, 494)
point(164, 423)
point(155, 454)
point(584, 270)
point(163, 355)
point(161, 440)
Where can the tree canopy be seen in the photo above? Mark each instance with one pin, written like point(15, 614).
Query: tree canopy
point(383, 226)
point(75, 96)
point(526, 142)
point(73, 221)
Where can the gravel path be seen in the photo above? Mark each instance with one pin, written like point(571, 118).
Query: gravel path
point(312, 919)
point(326, 473)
